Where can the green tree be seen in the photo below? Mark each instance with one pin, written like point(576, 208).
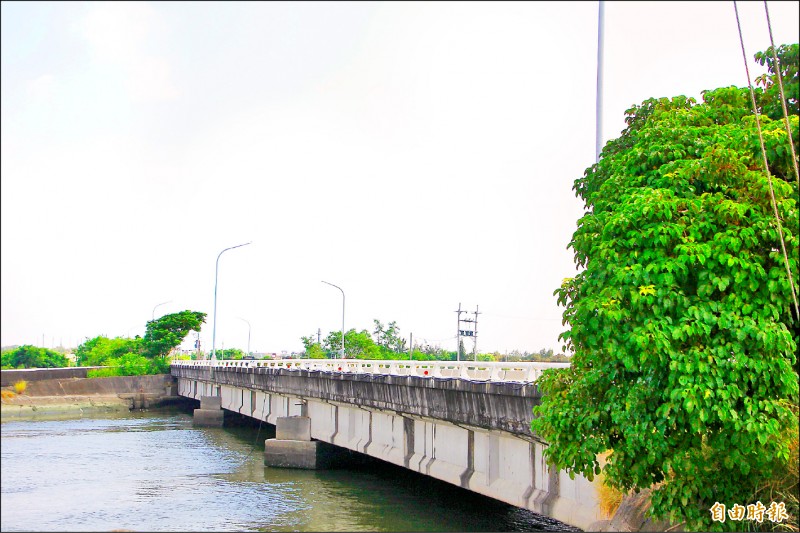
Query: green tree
point(789, 57)
point(357, 345)
point(28, 356)
point(313, 350)
point(230, 353)
point(166, 333)
point(681, 320)
point(131, 364)
point(100, 350)
point(388, 338)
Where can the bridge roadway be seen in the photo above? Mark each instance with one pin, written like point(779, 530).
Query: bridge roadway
point(467, 423)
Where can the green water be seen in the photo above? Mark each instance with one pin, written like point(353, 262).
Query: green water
point(153, 471)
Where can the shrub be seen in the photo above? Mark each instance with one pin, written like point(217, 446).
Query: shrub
point(107, 372)
point(20, 386)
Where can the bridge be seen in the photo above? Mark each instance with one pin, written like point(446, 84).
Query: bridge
point(466, 423)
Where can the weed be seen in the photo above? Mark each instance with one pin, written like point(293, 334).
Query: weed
point(20, 386)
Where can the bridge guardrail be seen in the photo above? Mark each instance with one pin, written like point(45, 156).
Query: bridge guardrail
point(492, 371)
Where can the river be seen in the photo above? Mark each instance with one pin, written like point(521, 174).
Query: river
point(154, 471)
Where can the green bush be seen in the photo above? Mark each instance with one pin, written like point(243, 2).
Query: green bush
point(28, 356)
point(107, 372)
point(131, 364)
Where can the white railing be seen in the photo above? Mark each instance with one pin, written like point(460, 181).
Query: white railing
point(522, 372)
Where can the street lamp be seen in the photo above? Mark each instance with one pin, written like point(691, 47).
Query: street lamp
point(332, 285)
point(157, 306)
point(216, 276)
point(248, 334)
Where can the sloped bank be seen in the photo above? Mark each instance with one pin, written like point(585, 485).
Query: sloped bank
point(78, 396)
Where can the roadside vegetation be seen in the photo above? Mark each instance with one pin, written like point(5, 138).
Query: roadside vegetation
point(139, 356)
point(385, 343)
point(28, 356)
point(119, 356)
point(682, 321)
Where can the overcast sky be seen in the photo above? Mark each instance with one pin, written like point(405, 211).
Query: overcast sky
point(417, 155)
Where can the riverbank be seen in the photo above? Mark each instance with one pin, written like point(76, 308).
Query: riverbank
point(71, 397)
point(38, 407)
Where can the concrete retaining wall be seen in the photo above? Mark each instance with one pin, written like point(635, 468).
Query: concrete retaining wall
point(9, 377)
point(161, 384)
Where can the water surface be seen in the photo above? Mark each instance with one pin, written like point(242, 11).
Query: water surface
point(154, 471)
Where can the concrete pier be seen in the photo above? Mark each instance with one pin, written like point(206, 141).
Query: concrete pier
point(292, 446)
point(210, 413)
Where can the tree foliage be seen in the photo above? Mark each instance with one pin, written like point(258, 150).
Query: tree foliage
point(788, 55)
point(167, 332)
point(28, 356)
point(388, 337)
point(230, 354)
point(100, 351)
point(681, 320)
point(131, 364)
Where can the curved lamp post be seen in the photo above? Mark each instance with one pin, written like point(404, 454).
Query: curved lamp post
point(216, 276)
point(153, 317)
point(248, 334)
point(332, 285)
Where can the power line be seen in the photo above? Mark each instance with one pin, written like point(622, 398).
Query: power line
point(521, 317)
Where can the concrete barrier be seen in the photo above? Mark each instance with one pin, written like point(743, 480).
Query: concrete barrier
point(9, 377)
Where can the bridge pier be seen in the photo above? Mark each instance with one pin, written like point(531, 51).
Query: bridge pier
point(210, 413)
point(292, 446)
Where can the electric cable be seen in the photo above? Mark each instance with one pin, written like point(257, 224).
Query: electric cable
point(766, 166)
point(783, 96)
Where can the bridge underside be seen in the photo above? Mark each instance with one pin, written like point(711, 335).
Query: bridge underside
point(508, 466)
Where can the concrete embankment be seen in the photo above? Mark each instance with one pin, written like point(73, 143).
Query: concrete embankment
point(78, 396)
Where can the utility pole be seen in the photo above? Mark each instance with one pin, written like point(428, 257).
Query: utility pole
point(458, 333)
point(410, 346)
point(319, 336)
point(469, 332)
point(475, 336)
point(598, 142)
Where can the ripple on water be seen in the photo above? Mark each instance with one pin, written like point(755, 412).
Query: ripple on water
point(151, 472)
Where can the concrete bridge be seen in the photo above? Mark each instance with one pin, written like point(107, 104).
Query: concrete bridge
point(467, 423)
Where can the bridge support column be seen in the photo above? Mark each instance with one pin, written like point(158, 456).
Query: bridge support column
point(292, 446)
point(210, 413)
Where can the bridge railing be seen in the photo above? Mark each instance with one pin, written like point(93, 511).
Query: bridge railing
point(519, 372)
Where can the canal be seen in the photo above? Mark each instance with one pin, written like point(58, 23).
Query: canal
point(154, 471)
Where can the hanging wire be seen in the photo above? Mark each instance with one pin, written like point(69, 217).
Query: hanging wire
point(783, 97)
point(766, 165)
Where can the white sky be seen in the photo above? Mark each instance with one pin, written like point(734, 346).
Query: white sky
point(415, 154)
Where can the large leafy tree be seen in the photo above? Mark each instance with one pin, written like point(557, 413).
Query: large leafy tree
point(788, 56)
point(28, 356)
point(388, 337)
point(681, 321)
point(100, 350)
point(357, 345)
point(167, 332)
